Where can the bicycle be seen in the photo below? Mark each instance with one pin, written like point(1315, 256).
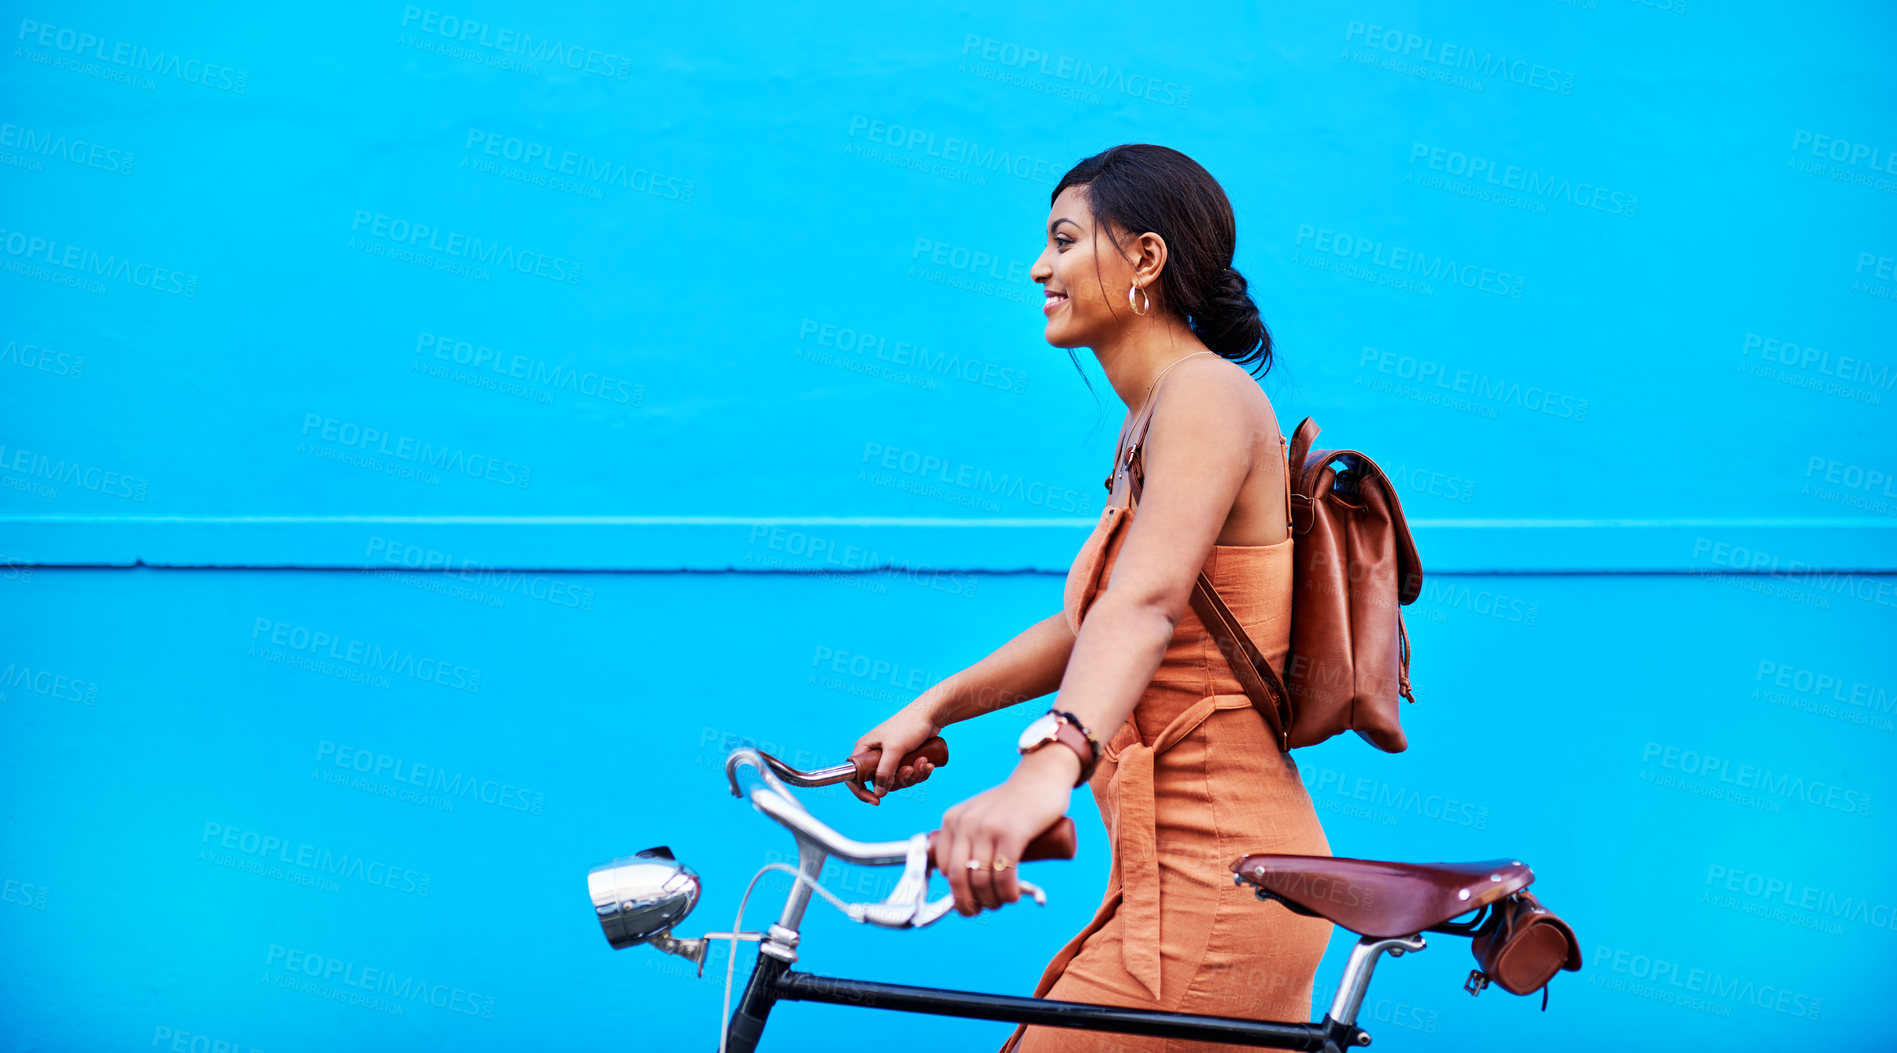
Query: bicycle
point(639, 899)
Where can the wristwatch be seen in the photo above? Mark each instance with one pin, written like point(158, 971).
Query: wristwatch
point(1064, 728)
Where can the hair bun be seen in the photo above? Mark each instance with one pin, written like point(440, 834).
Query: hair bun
point(1229, 322)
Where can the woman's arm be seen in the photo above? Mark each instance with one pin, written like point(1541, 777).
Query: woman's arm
point(1028, 666)
point(1025, 667)
point(1197, 457)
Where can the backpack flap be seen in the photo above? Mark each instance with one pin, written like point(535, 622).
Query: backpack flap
point(1314, 479)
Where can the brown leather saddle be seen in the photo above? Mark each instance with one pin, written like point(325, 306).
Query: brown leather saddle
point(1379, 899)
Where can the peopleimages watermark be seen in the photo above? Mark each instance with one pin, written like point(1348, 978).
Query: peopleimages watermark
point(48, 683)
point(124, 60)
point(40, 145)
point(23, 894)
point(1076, 72)
point(1420, 481)
point(15, 569)
point(1769, 897)
point(1825, 694)
point(1374, 800)
point(431, 778)
point(1692, 987)
point(35, 473)
point(359, 659)
point(906, 362)
point(568, 170)
point(1856, 162)
point(1439, 597)
point(79, 267)
point(515, 43)
point(43, 359)
point(506, 367)
point(394, 553)
point(877, 679)
point(306, 860)
point(1869, 489)
point(1883, 269)
point(1397, 265)
point(949, 149)
point(405, 990)
point(847, 564)
point(1741, 561)
point(973, 270)
point(928, 474)
point(1453, 387)
point(1751, 785)
point(178, 1040)
point(1803, 366)
point(1457, 64)
point(453, 251)
point(1501, 183)
point(415, 454)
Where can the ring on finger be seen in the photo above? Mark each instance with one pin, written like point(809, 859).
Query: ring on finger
point(1001, 863)
point(976, 864)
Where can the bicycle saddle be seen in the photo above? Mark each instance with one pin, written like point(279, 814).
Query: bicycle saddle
point(1378, 899)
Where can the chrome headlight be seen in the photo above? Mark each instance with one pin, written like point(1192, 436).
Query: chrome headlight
point(641, 896)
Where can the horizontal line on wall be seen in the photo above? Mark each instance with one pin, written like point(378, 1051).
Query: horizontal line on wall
point(856, 543)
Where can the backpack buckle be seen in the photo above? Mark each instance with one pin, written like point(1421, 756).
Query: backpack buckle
point(1301, 513)
point(1476, 982)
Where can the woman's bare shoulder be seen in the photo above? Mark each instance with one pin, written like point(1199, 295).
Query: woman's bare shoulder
point(1219, 393)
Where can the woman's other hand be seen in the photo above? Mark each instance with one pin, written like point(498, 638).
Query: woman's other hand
point(997, 824)
point(901, 734)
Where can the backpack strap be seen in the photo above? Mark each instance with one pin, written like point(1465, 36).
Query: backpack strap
point(1299, 452)
point(1261, 682)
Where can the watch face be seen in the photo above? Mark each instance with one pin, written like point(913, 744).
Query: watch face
point(1038, 732)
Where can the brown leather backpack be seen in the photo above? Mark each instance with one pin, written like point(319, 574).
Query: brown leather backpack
point(1355, 564)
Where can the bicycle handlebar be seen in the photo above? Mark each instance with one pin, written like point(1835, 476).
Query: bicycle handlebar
point(935, 751)
point(769, 795)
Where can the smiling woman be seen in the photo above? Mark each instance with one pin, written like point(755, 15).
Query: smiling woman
point(1137, 267)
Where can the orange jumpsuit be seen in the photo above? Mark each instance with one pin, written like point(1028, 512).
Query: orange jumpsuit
point(1192, 781)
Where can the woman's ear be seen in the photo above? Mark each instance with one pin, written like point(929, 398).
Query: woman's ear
point(1149, 260)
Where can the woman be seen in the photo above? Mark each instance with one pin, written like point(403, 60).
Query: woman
point(1137, 267)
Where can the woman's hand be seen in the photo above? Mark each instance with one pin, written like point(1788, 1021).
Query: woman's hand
point(996, 824)
point(901, 734)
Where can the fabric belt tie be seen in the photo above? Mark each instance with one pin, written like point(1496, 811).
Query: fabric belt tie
point(1136, 837)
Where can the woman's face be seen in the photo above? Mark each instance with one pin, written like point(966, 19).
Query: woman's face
point(1073, 267)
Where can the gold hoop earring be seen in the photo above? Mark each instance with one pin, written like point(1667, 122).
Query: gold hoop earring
point(1147, 300)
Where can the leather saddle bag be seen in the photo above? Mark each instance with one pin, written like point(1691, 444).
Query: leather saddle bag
point(1521, 947)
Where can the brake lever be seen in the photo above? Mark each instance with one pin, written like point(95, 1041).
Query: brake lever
point(908, 906)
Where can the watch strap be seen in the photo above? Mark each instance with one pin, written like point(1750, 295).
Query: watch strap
point(1068, 718)
point(1072, 735)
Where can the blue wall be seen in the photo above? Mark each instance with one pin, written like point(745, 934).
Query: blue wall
point(657, 381)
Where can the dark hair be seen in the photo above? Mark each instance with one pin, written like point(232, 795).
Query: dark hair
point(1139, 187)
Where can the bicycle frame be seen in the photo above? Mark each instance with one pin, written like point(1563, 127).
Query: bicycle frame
point(774, 980)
